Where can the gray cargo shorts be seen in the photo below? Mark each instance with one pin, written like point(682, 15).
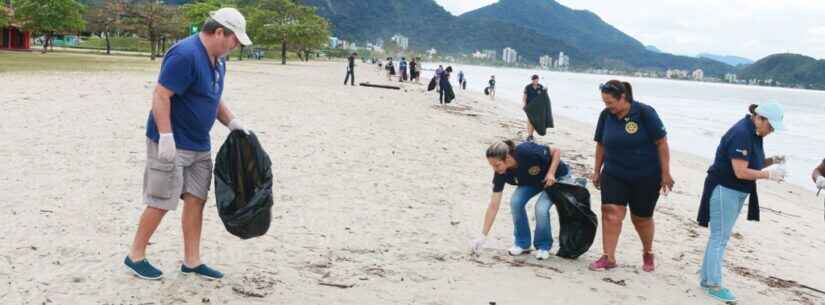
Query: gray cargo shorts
point(164, 183)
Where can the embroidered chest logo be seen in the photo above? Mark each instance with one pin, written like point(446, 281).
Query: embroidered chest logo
point(535, 170)
point(631, 127)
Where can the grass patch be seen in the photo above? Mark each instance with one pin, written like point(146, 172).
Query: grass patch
point(60, 61)
point(131, 44)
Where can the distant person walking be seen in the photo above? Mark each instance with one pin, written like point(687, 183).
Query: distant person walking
point(445, 90)
point(461, 78)
point(632, 167)
point(739, 162)
point(390, 67)
point(186, 102)
point(351, 69)
point(819, 175)
point(531, 92)
point(402, 68)
point(492, 88)
point(414, 70)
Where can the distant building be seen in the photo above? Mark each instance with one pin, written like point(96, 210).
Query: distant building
point(676, 74)
point(432, 52)
point(731, 78)
point(563, 61)
point(402, 41)
point(333, 42)
point(11, 36)
point(698, 74)
point(546, 61)
point(491, 54)
point(509, 55)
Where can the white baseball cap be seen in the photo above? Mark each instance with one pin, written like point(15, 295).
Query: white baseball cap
point(233, 20)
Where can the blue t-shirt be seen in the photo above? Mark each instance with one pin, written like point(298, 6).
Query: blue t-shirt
point(630, 143)
point(198, 85)
point(533, 163)
point(740, 142)
point(532, 93)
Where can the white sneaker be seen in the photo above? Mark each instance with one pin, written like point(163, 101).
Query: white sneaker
point(542, 255)
point(516, 251)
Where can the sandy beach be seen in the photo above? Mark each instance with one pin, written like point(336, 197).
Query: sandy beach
point(378, 195)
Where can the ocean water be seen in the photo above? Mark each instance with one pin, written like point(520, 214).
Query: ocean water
point(696, 114)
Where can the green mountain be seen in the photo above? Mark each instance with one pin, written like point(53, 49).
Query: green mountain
point(428, 25)
point(584, 30)
point(788, 69)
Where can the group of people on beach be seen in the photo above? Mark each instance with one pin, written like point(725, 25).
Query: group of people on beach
point(632, 170)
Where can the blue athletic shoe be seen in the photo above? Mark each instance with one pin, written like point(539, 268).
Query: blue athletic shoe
point(723, 294)
point(143, 269)
point(203, 271)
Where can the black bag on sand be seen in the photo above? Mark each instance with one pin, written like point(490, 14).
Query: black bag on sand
point(578, 223)
point(540, 113)
point(487, 91)
point(432, 84)
point(243, 185)
point(449, 94)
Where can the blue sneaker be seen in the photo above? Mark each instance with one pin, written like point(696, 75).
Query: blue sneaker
point(143, 269)
point(723, 294)
point(203, 271)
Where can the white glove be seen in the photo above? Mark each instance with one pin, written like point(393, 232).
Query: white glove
point(477, 243)
point(777, 174)
point(236, 124)
point(166, 147)
point(820, 182)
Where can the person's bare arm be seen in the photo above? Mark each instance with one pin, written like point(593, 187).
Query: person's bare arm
point(224, 114)
point(550, 179)
point(741, 170)
point(490, 214)
point(664, 158)
point(597, 167)
point(162, 108)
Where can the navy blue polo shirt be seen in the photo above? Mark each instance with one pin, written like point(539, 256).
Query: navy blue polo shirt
point(533, 163)
point(742, 143)
point(492, 83)
point(188, 72)
point(531, 92)
point(630, 143)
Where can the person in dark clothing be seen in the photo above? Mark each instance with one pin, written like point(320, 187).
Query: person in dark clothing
point(531, 91)
point(632, 168)
point(492, 88)
point(444, 84)
point(533, 168)
point(402, 68)
point(819, 175)
point(351, 69)
point(414, 70)
point(739, 162)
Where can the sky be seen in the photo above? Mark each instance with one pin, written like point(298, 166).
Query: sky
point(749, 28)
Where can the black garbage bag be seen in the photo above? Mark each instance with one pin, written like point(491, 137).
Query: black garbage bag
point(539, 111)
point(433, 82)
point(578, 223)
point(487, 91)
point(243, 185)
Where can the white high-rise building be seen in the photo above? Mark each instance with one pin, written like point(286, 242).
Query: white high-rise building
point(563, 61)
point(509, 55)
point(698, 74)
point(546, 61)
point(401, 41)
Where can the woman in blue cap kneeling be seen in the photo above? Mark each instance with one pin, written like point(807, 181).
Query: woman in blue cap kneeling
point(740, 161)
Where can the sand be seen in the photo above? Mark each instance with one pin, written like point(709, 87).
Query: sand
point(378, 194)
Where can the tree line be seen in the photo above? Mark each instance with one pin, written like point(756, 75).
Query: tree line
point(276, 24)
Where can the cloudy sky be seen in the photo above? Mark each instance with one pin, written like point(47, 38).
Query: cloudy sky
point(749, 28)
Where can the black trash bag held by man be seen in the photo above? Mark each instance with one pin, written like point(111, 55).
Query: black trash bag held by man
point(243, 185)
point(539, 111)
point(578, 223)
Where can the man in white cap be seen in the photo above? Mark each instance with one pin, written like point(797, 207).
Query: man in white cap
point(185, 104)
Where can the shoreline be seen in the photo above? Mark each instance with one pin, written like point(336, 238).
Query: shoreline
point(377, 190)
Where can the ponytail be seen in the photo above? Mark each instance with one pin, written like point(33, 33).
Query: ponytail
point(501, 149)
point(752, 109)
point(628, 91)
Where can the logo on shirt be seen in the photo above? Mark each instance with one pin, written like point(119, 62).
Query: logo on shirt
point(535, 170)
point(631, 127)
point(744, 152)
